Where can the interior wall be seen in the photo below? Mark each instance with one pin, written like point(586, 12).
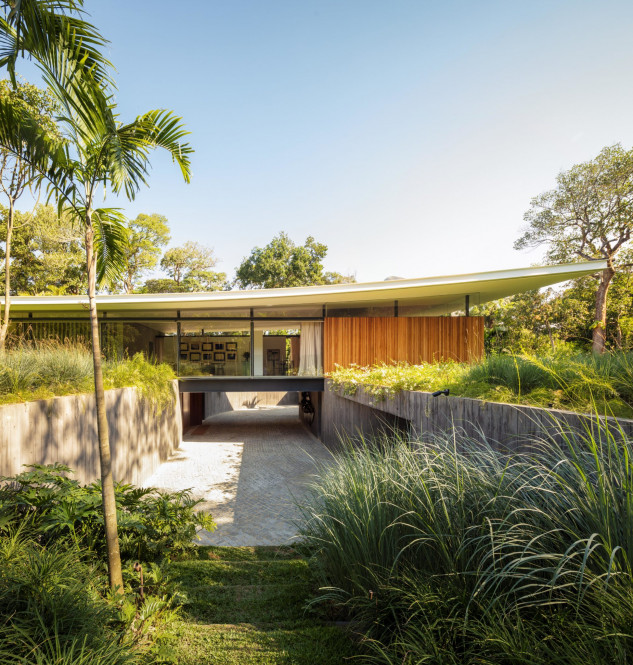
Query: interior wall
point(221, 402)
point(370, 340)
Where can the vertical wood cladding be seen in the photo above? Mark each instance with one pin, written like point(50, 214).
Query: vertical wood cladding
point(369, 340)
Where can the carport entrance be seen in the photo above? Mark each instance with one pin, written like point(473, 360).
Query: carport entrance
point(247, 465)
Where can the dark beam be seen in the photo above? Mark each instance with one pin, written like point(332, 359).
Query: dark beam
point(204, 384)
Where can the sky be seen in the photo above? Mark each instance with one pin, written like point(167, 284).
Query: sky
point(408, 136)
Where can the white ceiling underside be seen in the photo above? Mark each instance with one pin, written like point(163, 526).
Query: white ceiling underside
point(434, 293)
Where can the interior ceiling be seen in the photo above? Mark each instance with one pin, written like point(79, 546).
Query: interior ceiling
point(436, 293)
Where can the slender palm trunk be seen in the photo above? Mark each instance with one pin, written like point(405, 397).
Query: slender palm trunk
point(105, 457)
point(599, 332)
point(4, 323)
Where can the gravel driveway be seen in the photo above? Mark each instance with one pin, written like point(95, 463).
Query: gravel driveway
point(247, 465)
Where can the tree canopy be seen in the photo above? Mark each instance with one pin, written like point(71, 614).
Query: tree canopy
point(282, 263)
point(146, 235)
point(589, 215)
point(48, 255)
point(190, 269)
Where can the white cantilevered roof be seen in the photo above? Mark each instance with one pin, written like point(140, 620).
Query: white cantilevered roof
point(432, 292)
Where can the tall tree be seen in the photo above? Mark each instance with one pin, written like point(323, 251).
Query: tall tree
point(146, 235)
point(189, 269)
point(282, 263)
point(17, 175)
point(48, 254)
point(589, 215)
point(95, 150)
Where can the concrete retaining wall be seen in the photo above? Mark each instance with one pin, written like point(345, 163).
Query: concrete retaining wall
point(64, 429)
point(507, 426)
point(220, 402)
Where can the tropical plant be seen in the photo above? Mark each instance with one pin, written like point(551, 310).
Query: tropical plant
point(153, 524)
point(94, 150)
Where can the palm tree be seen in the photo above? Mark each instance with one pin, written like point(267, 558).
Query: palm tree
point(40, 29)
point(93, 150)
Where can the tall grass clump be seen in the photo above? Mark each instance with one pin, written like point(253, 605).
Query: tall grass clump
point(450, 552)
point(49, 368)
point(55, 367)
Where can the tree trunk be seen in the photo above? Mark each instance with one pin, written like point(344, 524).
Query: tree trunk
point(105, 457)
point(4, 323)
point(599, 333)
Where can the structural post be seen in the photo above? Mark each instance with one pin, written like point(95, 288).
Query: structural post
point(178, 347)
point(252, 344)
point(467, 306)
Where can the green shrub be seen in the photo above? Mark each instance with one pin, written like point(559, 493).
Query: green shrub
point(52, 609)
point(152, 524)
point(453, 553)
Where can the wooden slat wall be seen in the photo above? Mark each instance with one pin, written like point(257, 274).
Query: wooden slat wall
point(369, 340)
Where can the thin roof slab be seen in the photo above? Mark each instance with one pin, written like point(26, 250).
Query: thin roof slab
point(436, 293)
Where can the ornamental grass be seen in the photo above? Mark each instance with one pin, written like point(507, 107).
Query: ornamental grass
point(450, 552)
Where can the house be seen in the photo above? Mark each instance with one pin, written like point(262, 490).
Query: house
point(286, 339)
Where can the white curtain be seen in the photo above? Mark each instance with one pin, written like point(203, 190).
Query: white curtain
point(310, 357)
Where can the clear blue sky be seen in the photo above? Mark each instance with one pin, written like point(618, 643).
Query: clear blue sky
point(409, 136)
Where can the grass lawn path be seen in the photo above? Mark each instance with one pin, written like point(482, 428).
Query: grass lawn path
point(245, 606)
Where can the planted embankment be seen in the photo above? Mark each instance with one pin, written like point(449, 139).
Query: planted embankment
point(64, 430)
point(424, 416)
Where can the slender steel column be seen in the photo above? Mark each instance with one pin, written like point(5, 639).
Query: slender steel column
point(252, 344)
point(178, 348)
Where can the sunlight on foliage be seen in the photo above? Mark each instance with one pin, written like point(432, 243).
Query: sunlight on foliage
point(576, 382)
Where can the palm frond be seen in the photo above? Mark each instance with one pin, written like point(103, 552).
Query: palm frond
point(126, 152)
point(37, 27)
point(111, 241)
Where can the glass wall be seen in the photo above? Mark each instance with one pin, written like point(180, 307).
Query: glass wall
point(215, 348)
point(195, 346)
point(156, 340)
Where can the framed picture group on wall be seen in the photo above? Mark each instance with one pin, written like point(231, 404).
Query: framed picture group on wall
point(210, 351)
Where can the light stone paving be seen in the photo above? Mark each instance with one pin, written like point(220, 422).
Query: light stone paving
point(247, 465)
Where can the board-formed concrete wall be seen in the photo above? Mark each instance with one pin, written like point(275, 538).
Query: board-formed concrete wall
point(221, 402)
point(64, 430)
point(506, 426)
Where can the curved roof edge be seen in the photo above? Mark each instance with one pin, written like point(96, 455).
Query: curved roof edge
point(437, 291)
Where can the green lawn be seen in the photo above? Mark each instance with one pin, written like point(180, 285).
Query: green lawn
point(245, 605)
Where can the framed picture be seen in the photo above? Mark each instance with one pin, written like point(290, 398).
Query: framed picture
point(184, 346)
point(219, 346)
point(184, 356)
point(207, 356)
point(231, 346)
point(195, 346)
point(194, 357)
point(207, 346)
point(273, 354)
point(231, 356)
point(218, 356)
